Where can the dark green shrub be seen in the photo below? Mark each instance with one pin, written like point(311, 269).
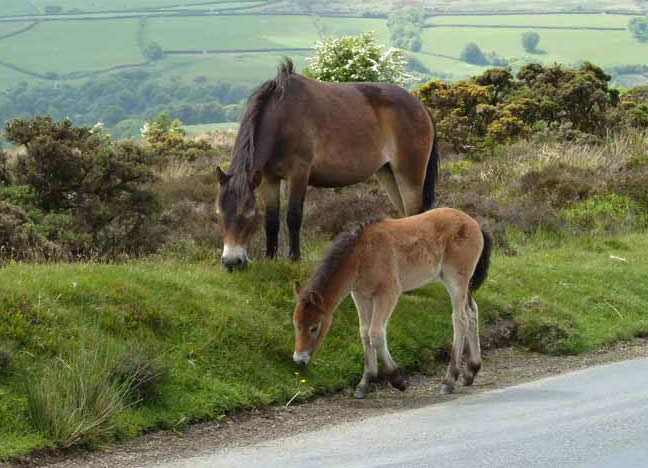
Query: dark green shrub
point(530, 41)
point(472, 54)
point(561, 184)
point(80, 191)
point(142, 373)
point(5, 361)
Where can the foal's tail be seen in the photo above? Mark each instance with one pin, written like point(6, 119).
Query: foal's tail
point(481, 270)
point(432, 171)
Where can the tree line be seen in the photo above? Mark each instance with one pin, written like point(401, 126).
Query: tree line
point(123, 100)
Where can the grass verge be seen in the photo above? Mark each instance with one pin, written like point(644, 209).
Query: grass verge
point(225, 340)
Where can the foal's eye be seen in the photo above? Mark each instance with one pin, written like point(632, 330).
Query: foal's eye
point(314, 329)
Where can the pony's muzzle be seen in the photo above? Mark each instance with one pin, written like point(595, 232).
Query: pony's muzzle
point(234, 258)
point(301, 358)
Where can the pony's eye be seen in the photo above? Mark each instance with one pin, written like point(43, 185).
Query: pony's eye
point(314, 329)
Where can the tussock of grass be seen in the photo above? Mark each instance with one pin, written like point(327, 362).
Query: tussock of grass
point(75, 399)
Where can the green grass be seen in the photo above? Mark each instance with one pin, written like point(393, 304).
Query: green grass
point(227, 338)
point(12, 26)
point(64, 47)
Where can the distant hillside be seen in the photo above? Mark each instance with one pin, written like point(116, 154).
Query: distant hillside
point(175, 44)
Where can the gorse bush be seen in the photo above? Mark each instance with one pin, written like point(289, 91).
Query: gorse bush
point(496, 107)
point(76, 192)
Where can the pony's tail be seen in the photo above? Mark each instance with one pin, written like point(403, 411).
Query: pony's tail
point(481, 270)
point(432, 171)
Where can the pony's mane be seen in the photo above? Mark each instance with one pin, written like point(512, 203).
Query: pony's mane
point(243, 152)
point(339, 250)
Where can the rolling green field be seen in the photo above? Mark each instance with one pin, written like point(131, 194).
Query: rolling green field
point(82, 46)
point(73, 46)
point(226, 339)
point(232, 33)
point(613, 47)
point(598, 20)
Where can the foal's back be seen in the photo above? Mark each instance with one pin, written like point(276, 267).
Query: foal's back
point(410, 252)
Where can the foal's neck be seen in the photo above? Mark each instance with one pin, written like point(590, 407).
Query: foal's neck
point(338, 285)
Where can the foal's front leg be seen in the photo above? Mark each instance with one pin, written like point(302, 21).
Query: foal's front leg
point(364, 306)
point(384, 306)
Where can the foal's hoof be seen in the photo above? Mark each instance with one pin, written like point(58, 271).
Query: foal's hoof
point(397, 380)
point(446, 388)
point(468, 379)
point(361, 392)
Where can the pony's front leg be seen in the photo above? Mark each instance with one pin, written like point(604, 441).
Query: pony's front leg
point(271, 198)
point(297, 184)
point(364, 305)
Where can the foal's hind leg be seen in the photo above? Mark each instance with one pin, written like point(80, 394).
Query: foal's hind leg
point(364, 305)
point(473, 357)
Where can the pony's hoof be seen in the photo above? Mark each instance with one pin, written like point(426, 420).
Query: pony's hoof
point(446, 389)
point(361, 392)
point(397, 380)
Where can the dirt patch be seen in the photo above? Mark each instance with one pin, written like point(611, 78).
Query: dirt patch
point(502, 367)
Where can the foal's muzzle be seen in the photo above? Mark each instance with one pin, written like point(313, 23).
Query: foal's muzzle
point(302, 358)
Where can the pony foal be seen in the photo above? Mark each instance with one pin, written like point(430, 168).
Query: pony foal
point(379, 261)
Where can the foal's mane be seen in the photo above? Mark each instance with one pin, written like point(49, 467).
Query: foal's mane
point(339, 250)
point(243, 153)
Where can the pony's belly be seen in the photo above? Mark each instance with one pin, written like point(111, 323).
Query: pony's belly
point(335, 178)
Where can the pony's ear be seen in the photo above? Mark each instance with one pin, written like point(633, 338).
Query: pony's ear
point(255, 179)
point(298, 289)
point(222, 177)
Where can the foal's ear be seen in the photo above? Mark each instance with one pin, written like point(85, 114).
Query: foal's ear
point(222, 177)
point(298, 289)
point(255, 179)
point(315, 298)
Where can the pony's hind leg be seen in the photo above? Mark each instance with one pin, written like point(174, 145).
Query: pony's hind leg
point(458, 289)
point(364, 306)
point(473, 357)
point(386, 177)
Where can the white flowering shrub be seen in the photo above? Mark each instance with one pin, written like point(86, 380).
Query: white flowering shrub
point(356, 58)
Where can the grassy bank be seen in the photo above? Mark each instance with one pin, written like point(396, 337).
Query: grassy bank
point(225, 340)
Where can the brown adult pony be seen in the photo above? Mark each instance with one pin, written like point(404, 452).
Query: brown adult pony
point(308, 132)
point(376, 264)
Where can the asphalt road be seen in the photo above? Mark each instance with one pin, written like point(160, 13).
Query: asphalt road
point(593, 418)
